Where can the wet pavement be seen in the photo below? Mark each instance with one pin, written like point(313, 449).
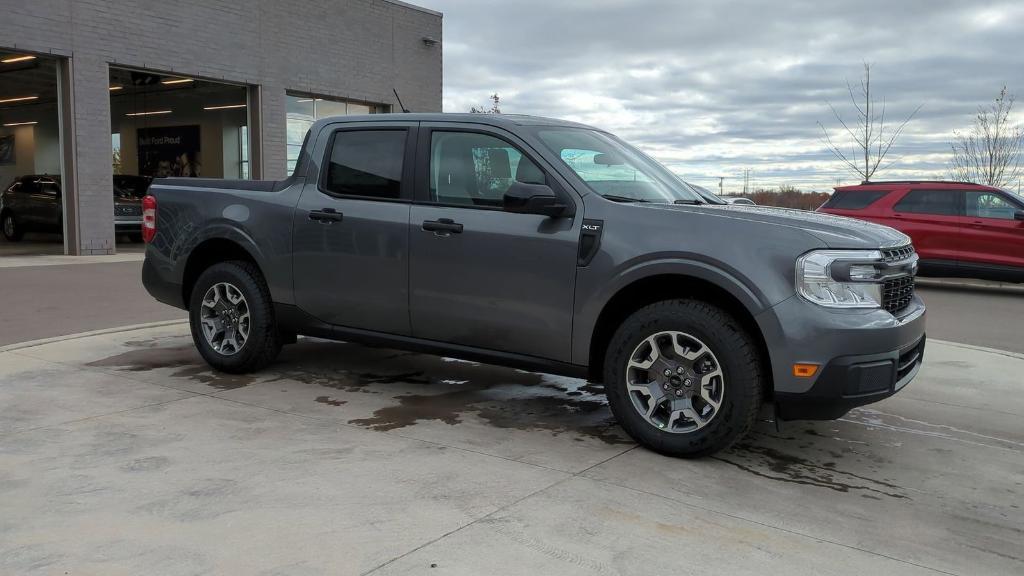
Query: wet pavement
point(123, 453)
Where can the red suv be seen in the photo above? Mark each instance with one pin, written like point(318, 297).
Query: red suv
point(958, 228)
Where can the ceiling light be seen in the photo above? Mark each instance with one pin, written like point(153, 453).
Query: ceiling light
point(17, 59)
point(21, 123)
point(19, 99)
point(304, 100)
point(116, 87)
point(224, 107)
point(176, 81)
point(151, 113)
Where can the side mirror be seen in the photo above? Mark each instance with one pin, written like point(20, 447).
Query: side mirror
point(1018, 215)
point(522, 198)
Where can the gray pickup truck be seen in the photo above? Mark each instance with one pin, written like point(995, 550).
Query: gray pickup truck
point(548, 246)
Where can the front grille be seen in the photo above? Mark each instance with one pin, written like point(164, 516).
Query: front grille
point(897, 293)
point(890, 255)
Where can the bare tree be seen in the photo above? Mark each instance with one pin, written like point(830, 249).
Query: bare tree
point(494, 109)
point(990, 153)
point(868, 141)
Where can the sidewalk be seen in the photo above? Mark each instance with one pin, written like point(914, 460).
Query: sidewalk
point(124, 453)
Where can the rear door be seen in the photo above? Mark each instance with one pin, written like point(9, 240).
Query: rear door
point(48, 204)
point(480, 276)
point(351, 227)
point(932, 220)
point(991, 234)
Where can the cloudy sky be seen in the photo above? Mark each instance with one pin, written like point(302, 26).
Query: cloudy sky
point(712, 88)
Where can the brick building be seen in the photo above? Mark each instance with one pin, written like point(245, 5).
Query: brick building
point(96, 90)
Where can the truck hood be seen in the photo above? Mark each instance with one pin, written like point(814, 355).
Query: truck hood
point(834, 231)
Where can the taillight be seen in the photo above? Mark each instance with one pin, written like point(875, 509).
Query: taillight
point(148, 218)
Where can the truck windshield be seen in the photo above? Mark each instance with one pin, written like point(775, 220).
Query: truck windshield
point(615, 169)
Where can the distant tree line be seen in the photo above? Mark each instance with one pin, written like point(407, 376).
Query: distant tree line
point(785, 197)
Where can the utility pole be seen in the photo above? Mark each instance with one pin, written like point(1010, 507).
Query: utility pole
point(721, 185)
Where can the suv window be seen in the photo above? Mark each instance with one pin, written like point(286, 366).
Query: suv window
point(49, 186)
point(989, 205)
point(847, 200)
point(940, 202)
point(472, 169)
point(29, 185)
point(366, 163)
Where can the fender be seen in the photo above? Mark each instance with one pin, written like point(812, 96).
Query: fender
point(589, 310)
point(214, 230)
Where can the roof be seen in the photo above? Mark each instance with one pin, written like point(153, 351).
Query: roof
point(874, 185)
point(500, 120)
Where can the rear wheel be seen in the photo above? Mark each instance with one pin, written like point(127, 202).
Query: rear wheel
point(11, 227)
point(683, 378)
point(232, 318)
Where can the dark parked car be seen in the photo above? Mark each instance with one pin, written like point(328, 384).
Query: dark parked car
point(33, 204)
point(959, 229)
point(548, 246)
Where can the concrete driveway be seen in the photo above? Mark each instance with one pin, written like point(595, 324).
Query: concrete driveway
point(122, 453)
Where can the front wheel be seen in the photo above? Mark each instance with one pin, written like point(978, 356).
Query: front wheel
point(683, 378)
point(11, 227)
point(232, 318)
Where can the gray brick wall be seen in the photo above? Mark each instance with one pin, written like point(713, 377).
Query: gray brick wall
point(360, 49)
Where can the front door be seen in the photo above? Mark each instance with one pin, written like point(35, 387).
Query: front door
point(991, 233)
point(351, 230)
point(480, 276)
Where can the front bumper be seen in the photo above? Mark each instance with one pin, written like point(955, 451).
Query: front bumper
point(865, 356)
point(850, 381)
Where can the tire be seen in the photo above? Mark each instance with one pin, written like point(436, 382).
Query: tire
point(261, 342)
point(733, 372)
point(11, 228)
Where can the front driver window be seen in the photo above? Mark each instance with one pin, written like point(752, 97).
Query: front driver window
point(989, 205)
point(472, 169)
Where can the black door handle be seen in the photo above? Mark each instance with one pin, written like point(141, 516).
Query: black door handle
point(327, 215)
point(442, 225)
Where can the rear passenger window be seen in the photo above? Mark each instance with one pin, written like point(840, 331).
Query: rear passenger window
point(847, 200)
point(366, 163)
point(940, 202)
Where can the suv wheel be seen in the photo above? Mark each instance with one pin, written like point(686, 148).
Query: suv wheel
point(232, 318)
point(12, 230)
point(683, 378)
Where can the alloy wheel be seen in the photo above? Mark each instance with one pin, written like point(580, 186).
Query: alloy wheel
point(675, 382)
point(225, 318)
point(9, 226)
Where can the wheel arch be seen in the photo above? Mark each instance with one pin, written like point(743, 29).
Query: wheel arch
point(658, 287)
point(207, 253)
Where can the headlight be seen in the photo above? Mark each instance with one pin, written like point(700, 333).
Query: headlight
point(841, 278)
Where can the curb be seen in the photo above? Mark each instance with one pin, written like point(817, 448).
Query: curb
point(1001, 287)
point(51, 340)
point(134, 327)
point(1007, 353)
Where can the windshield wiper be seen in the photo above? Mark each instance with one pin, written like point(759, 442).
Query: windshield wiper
point(615, 198)
point(688, 202)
